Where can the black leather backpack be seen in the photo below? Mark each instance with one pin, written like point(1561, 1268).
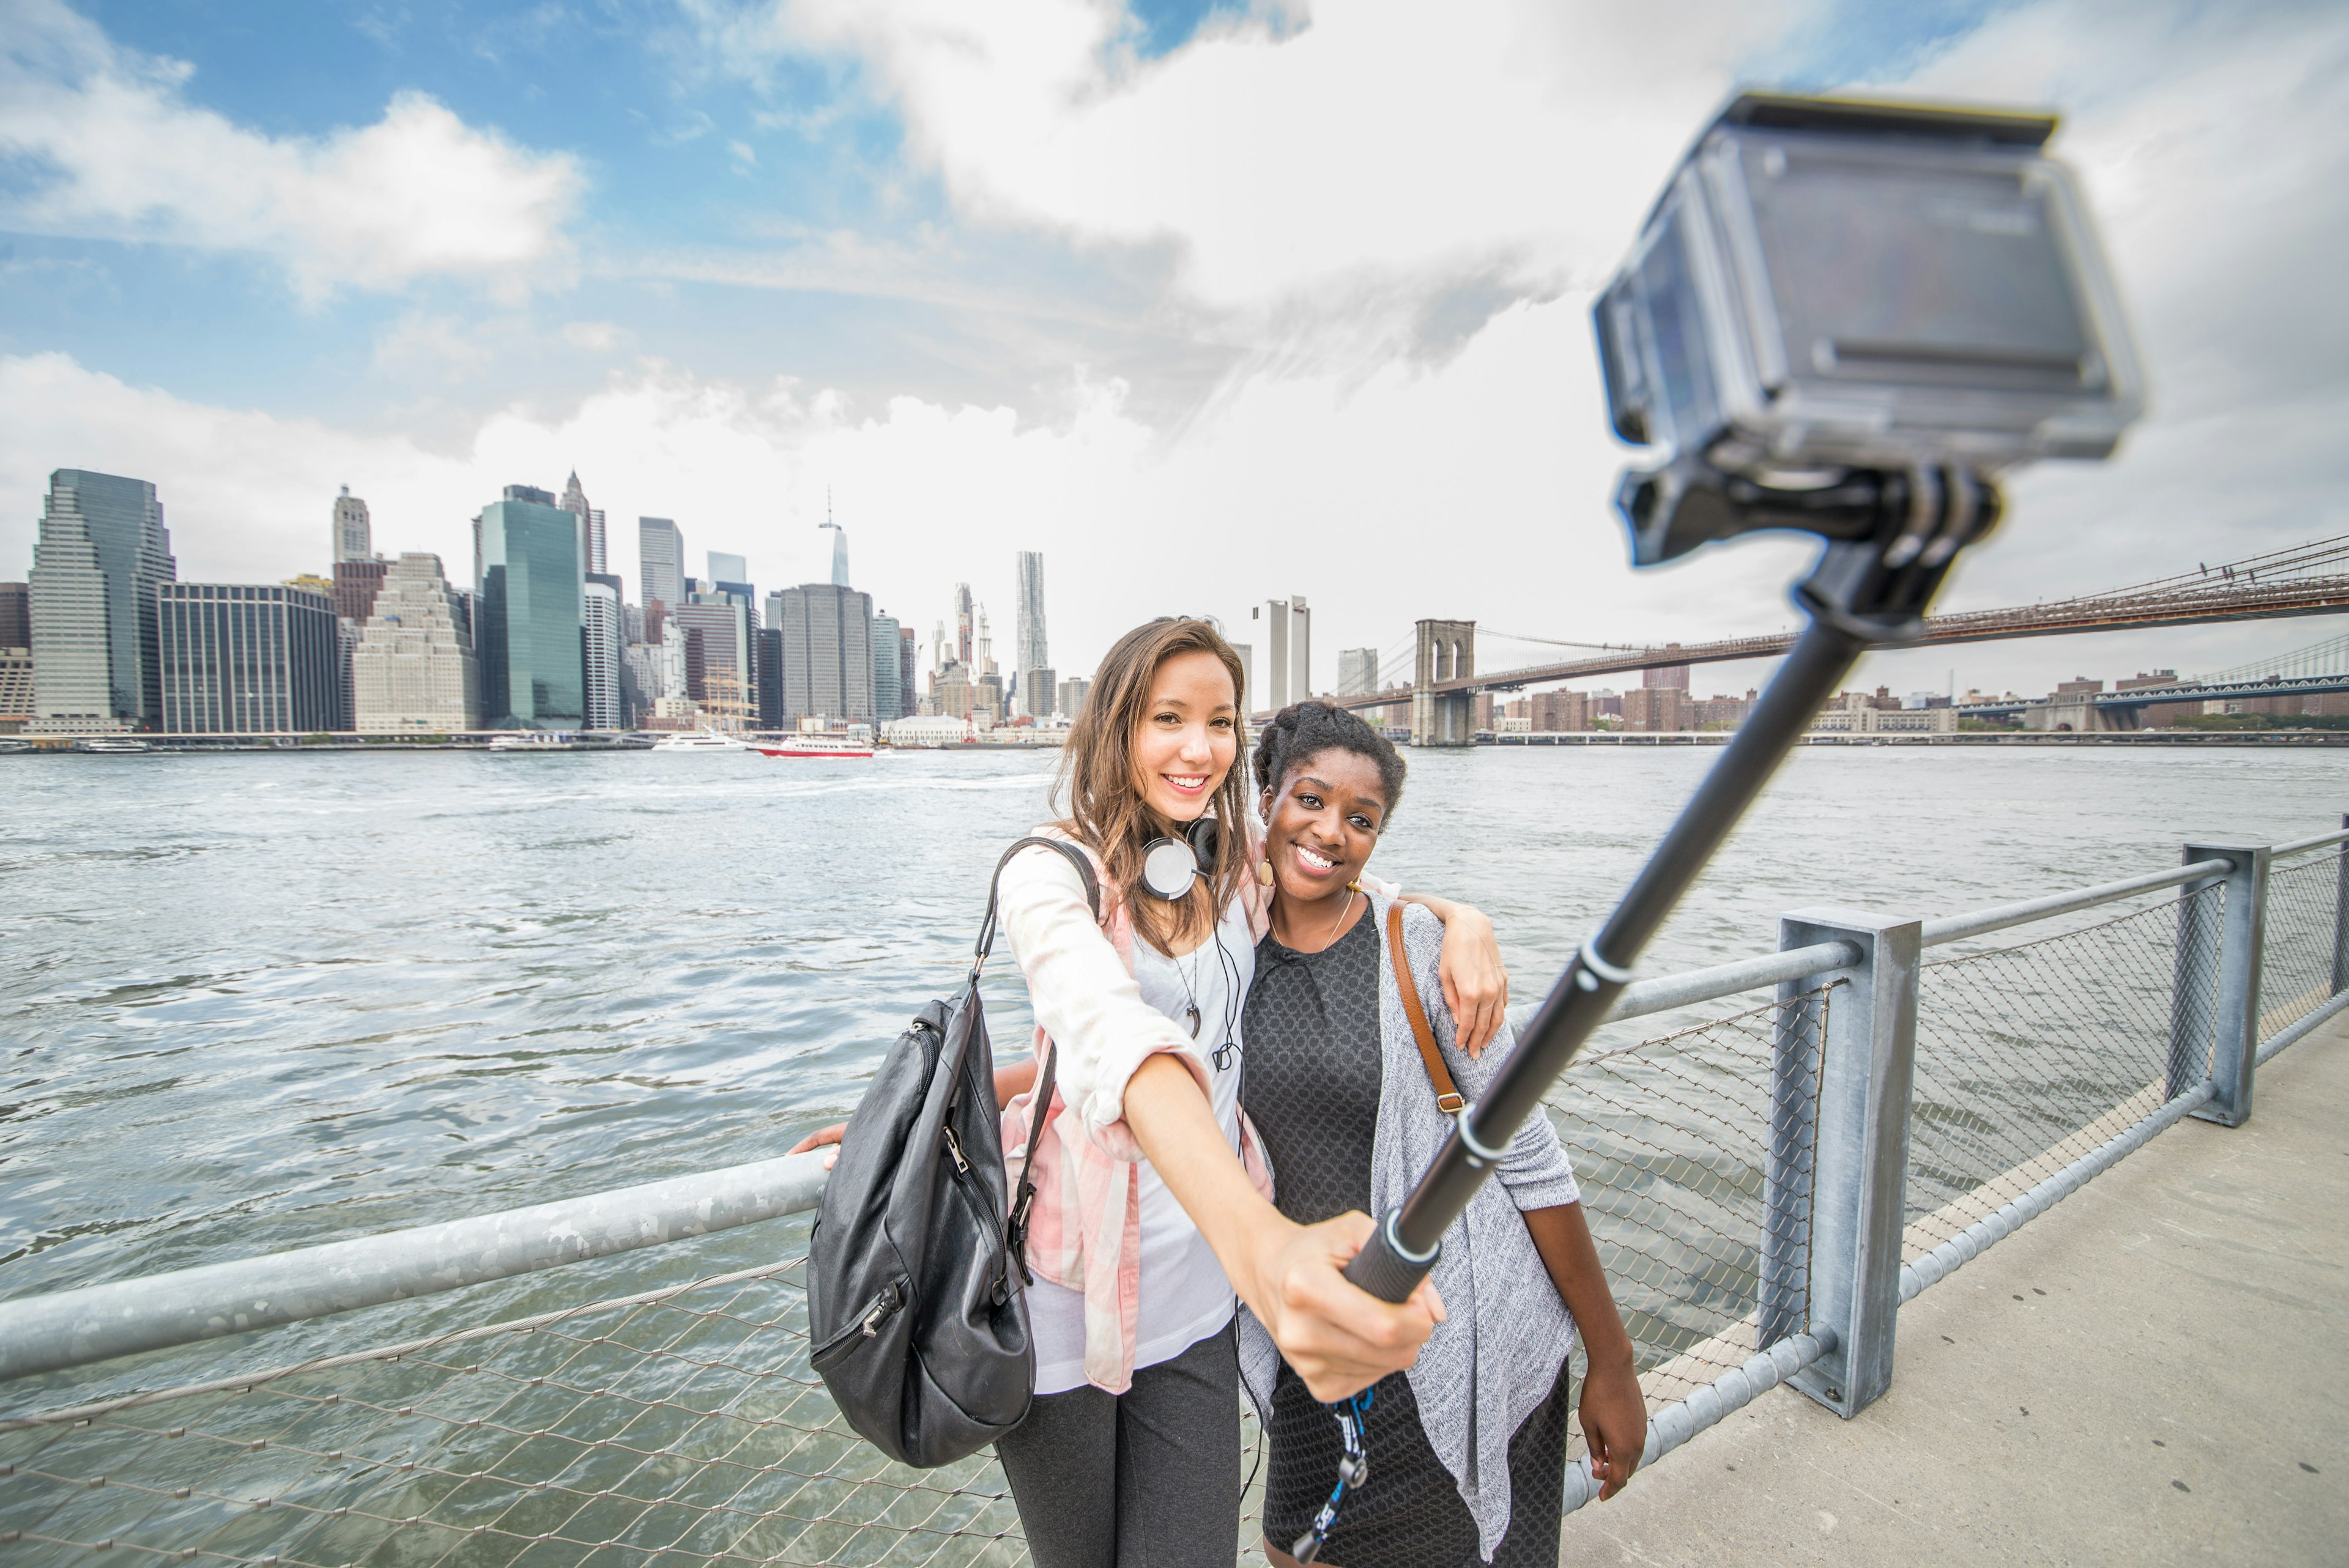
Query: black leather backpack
point(916, 1322)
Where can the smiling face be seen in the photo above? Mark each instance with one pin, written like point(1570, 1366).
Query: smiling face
point(1322, 824)
point(1188, 735)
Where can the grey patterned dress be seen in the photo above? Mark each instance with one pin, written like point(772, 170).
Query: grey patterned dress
point(1315, 1074)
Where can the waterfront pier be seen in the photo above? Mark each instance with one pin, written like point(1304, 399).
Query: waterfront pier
point(2154, 1373)
point(2012, 1235)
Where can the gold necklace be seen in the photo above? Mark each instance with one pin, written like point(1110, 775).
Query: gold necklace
point(1344, 909)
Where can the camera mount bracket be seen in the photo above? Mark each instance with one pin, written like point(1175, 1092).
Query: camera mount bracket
point(1892, 538)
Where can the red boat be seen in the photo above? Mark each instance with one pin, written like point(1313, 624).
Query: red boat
point(813, 746)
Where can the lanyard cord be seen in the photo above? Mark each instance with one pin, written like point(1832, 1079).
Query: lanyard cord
point(1353, 1468)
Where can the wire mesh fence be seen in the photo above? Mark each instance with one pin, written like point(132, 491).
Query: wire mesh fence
point(2301, 961)
point(2031, 1055)
point(1674, 1141)
point(681, 1426)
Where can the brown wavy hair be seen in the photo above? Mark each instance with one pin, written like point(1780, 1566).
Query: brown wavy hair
point(1105, 805)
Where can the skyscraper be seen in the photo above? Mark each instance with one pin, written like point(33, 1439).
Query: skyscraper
point(888, 693)
point(909, 680)
point(102, 553)
point(771, 668)
point(15, 615)
point(1030, 653)
point(724, 626)
point(355, 588)
point(726, 569)
point(591, 522)
point(532, 613)
point(600, 642)
point(16, 689)
point(839, 545)
point(1358, 671)
point(827, 653)
point(1289, 650)
point(414, 670)
point(962, 623)
point(249, 659)
point(354, 537)
point(660, 567)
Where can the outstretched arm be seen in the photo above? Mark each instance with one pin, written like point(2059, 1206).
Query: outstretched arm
point(1339, 1339)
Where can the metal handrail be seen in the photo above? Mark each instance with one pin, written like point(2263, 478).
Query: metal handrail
point(1666, 992)
point(99, 1322)
point(2301, 846)
point(1956, 927)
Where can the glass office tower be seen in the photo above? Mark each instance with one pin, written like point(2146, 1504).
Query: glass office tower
point(249, 659)
point(101, 555)
point(532, 588)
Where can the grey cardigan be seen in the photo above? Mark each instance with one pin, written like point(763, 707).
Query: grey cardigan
point(1506, 1333)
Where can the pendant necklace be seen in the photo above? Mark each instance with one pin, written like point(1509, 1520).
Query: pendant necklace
point(1191, 990)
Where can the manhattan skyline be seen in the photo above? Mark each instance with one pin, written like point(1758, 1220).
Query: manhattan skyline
point(753, 252)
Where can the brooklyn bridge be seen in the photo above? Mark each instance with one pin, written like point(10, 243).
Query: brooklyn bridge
point(2306, 580)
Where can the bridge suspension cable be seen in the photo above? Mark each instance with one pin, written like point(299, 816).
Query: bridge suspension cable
point(2330, 657)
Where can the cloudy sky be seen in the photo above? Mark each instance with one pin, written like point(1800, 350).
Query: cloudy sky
point(1207, 303)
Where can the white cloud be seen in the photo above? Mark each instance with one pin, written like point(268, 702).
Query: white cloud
point(1379, 138)
point(594, 336)
point(122, 154)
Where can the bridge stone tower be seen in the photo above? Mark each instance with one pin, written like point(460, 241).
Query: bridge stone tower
point(1447, 652)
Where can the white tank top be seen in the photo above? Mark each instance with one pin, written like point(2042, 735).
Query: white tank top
point(1184, 1296)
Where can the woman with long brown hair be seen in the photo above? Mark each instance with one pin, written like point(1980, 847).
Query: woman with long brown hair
point(1153, 1202)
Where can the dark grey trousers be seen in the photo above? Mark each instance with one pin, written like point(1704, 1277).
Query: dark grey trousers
point(1146, 1479)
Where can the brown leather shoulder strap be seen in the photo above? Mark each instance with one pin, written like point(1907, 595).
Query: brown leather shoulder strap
point(1447, 1094)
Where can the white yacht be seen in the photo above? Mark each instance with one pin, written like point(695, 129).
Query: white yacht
point(698, 740)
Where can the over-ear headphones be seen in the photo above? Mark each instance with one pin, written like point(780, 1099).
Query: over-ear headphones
point(1169, 866)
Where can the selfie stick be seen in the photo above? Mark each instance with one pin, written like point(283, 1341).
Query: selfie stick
point(1892, 537)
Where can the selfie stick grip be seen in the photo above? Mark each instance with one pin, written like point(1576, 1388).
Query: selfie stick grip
point(1384, 1269)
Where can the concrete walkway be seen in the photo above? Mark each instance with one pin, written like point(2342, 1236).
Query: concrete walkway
point(2156, 1371)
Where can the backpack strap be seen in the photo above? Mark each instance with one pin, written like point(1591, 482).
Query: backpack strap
point(1040, 1095)
point(1447, 1093)
point(1076, 856)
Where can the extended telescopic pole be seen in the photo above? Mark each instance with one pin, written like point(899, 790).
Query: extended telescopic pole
point(1867, 592)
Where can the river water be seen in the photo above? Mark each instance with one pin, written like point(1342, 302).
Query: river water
point(254, 1002)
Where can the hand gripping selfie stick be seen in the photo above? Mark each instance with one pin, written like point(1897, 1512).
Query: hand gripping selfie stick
point(1893, 537)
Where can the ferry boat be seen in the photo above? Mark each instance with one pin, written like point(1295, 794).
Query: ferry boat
point(813, 746)
point(114, 744)
point(563, 740)
point(698, 740)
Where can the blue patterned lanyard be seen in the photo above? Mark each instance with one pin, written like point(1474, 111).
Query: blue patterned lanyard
point(1353, 1468)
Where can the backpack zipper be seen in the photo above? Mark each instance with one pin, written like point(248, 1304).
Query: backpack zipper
point(883, 1306)
point(954, 1147)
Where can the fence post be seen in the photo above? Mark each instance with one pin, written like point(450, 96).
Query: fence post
point(2235, 1002)
point(2193, 982)
point(2340, 918)
point(1857, 1182)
